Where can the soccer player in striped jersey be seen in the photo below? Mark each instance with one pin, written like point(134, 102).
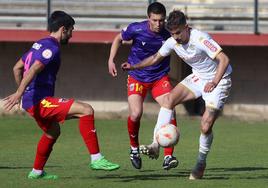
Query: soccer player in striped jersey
point(35, 74)
point(147, 37)
point(210, 78)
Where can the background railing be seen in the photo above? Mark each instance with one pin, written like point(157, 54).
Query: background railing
point(210, 15)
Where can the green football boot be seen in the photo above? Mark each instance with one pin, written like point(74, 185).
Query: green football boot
point(103, 164)
point(43, 176)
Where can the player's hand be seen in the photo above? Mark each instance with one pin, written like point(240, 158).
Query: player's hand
point(11, 101)
point(112, 68)
point(209, 87)
point(126, 66)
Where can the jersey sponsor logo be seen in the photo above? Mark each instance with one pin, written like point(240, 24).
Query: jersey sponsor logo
point(143, 43)
point(210, 46)
point(47, 104)
point(36, 46)
point(47, 53)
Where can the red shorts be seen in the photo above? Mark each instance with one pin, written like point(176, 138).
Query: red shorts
point(158, 87)
point(50, 110)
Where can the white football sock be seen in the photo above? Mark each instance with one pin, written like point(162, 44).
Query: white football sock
point(164, 117)
point(205, 142)
point(134, 148)
point(37, 172)
point(95, 157)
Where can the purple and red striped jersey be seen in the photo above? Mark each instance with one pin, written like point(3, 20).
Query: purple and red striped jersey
point(146, 43)
point(43, 84)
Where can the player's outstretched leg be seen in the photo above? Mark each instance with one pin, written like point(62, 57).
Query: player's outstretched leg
point(103, 164)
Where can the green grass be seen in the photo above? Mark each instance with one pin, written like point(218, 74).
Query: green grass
point(239, 156)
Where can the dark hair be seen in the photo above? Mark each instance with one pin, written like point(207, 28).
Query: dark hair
point(156, 8)
point(58, 19)
point(175, 19)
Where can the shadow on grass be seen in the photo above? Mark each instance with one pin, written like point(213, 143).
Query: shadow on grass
point(146, 175)
point(210, 174)
point(236, 173)
point(22, 167)
point(239, 169)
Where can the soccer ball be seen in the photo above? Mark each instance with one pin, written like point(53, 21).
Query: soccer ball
point(168, 135)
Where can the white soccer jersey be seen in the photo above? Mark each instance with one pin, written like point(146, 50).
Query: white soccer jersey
point(199, 53)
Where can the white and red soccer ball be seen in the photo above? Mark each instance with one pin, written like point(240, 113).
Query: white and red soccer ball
point(168, 135)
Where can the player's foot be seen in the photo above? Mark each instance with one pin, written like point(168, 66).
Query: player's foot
point(135, 158)
point(170, 162)
point(151, 150)
point(198, 171)
point(43, 176)
point(103, 164)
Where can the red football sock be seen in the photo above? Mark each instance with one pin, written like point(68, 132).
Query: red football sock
point(169, 151)
point(133, 132)
point(88, 132)
point(43, 151)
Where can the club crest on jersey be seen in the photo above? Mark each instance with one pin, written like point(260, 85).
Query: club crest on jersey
point(165, 84)
point(131, 87)
point(47, 53)
point(210, 46)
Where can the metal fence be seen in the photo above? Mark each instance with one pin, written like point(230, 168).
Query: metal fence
point(211, 15)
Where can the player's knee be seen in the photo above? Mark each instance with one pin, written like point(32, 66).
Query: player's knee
point(135, 115)
point(54, 131)
point(168, 102)
point(87, 109)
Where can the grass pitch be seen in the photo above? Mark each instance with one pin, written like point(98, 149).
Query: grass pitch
point(239, 156)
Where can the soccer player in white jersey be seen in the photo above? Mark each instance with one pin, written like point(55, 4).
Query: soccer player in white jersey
point(210, 78)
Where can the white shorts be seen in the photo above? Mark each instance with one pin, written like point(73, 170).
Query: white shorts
point(214, 99)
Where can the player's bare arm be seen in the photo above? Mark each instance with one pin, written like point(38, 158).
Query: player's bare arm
point(114, 49)
point(14, 98)
point(223, 60)
point(149, 61)
point(18, 71)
